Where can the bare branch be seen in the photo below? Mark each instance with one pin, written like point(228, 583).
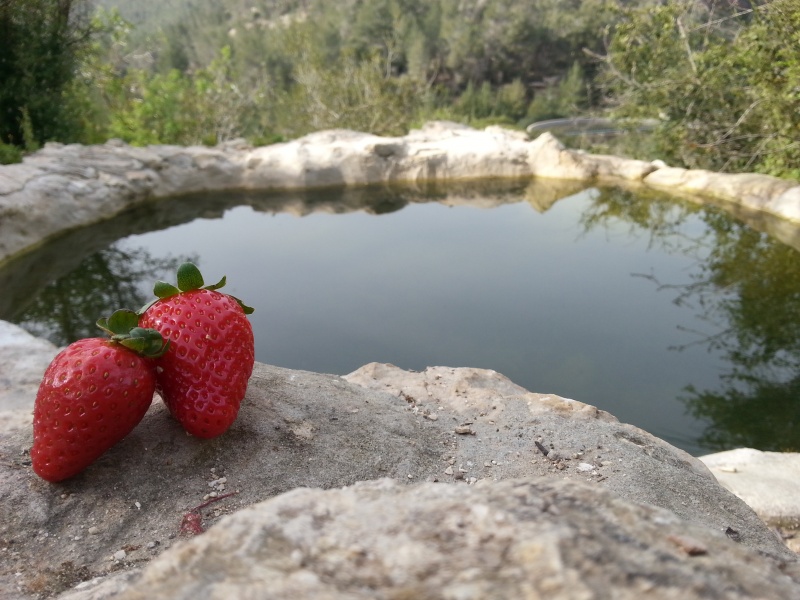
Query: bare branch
point(607, 60)
point(685, 39)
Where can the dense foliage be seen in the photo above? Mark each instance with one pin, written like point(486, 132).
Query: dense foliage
point(719, 77)
point(724, 87)
point(384, 65)
point(41, 44)
point(275, 69)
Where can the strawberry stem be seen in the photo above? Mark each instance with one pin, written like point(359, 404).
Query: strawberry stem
point(123, 328)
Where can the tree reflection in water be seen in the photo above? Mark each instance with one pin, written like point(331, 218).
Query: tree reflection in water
point(67, 309)
point(746, 286)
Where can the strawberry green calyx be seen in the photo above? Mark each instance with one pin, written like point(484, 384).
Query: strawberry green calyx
point(189, 278)
point(123, 328)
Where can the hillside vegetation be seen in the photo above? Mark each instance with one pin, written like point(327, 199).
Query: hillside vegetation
point(719, 76)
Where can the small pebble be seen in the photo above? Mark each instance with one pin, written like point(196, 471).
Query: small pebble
point(448, 471)
point(585, 467)
point(138, 505)
point(689, 545)
point(120, 555)
point(93, 530)
point(433, 417)
point(733, 534)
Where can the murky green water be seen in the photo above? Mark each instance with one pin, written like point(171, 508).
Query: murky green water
point(671, 316)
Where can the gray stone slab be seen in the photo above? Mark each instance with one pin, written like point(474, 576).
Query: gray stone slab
point(537, 538)
point(769, 482)
point(300, 429)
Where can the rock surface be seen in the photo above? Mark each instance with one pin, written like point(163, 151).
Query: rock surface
point(23, 360)
point(759, 192)
point(299, 429)
point(60, 187)
point(513, 539)
point(769, 482)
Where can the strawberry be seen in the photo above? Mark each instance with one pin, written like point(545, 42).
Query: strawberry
point(203, 376)
point(92, 395)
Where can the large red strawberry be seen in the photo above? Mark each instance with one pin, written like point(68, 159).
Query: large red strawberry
point(92, 395)
point(203, 376)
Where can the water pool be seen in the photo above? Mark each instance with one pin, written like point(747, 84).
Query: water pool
point(672, 316)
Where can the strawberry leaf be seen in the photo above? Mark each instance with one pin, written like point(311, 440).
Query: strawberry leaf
point(119, 323)
point(189, 277)
point(163, 289)
point(147, 342)
point(248, 310)
point(102, 323)
point(216, 286)
point(123, 327)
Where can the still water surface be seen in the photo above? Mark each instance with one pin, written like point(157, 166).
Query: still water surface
point(636, 304)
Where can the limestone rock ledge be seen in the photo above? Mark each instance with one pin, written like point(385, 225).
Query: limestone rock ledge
point(530, 492)
point(512, 539)
point(62, 187)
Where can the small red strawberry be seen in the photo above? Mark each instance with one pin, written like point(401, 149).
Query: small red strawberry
point(92, 395)
point(203, 376)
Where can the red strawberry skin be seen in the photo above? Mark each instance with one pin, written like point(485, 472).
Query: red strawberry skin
point(203, 376)
point(92, 395)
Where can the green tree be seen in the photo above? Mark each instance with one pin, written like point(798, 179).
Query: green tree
point(566, 98)
point(41, 42)
point(373, 28)
point(98, 86)
point(205, 107)
point(724, 89)
point(346, 92)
